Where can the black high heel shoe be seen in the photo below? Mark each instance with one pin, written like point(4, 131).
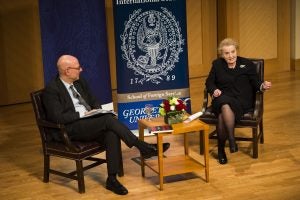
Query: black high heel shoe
point(222, 157)
point(233, 147)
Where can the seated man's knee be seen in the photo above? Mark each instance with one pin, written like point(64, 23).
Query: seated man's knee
point(109, 118)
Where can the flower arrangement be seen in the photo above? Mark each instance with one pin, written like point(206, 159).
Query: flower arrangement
point(173, 109)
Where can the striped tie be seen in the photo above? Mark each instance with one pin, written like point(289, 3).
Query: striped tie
point(80, 99)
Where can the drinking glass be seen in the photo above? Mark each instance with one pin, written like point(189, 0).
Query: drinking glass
point(149, 111)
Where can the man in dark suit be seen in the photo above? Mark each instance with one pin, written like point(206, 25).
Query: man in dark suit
point(68, 100)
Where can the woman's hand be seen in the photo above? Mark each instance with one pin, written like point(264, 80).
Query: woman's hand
point(217, 93)
point(266, 85)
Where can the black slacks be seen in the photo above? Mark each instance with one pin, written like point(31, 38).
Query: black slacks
point(107, 130)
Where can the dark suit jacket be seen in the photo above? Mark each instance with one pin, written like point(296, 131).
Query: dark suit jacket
point(58, 103)
point(240, 83)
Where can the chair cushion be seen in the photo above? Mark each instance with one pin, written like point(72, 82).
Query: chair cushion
point(85, 149)
point(208, 116)
point(247, 119)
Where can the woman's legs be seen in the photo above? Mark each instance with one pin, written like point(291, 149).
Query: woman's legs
point(225, 129)
point(229, 122)
point(222, 136)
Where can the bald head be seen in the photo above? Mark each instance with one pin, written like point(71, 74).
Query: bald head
point(65, 61)
point(69, 68)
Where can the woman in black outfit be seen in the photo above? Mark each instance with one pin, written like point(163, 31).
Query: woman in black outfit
point(231, 83)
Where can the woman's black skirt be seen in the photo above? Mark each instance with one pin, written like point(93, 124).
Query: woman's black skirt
point(231, 101)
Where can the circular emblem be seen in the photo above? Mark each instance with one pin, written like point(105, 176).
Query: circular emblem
point(151, 44)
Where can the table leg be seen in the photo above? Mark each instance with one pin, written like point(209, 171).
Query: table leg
point(141, 137)
point(160, 160)
point(186, 145)
point(201, 142)
point(205, 135)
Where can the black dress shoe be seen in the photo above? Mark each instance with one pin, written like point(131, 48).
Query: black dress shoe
point(114, 185)
point(166, 146)
point(152, 150)
point(222, 157)
point(233, 148)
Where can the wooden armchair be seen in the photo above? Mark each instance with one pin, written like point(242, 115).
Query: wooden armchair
point(253, 120)
point(77, 151)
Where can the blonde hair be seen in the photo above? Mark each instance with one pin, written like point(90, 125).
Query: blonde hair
point(227, 42)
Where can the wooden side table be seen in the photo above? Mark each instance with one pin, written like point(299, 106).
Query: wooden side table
point(175, 164)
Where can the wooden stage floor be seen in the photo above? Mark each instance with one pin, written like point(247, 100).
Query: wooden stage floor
point(274, 175)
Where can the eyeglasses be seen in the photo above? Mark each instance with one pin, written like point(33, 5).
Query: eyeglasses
point(77, 68)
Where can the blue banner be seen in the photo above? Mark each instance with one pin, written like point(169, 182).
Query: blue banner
point(151, 52)
point(77, 28)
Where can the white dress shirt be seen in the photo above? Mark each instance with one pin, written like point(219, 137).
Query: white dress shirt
point(78, 107)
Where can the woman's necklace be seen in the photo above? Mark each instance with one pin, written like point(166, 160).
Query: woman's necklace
point(232, 66)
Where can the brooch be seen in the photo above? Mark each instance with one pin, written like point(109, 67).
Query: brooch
point(242, 66)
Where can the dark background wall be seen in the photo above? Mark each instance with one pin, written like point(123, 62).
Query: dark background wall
point(265, 29)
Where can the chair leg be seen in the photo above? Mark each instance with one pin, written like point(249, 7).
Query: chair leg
point(261, 131)
point(46, 168)
point(80, 176)
point(255, 141)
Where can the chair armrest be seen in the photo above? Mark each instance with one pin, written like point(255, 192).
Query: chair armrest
point(62, 131)
point(258, 109)
point(48, 124)
point(205, 101)
point(67, 140)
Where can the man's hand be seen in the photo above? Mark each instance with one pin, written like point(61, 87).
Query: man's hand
point(90, 112)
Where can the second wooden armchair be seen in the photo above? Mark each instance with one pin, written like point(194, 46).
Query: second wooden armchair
point(253, 120)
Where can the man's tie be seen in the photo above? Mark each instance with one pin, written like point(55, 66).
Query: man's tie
point(80, 99)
